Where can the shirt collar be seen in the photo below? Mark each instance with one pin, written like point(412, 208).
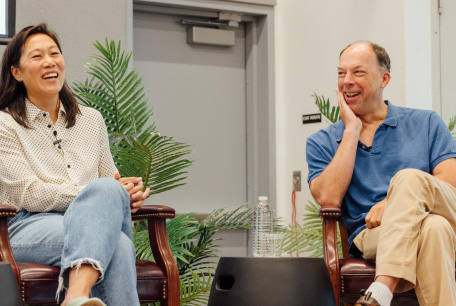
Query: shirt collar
point(391, 120)
point(32, 111)
point(392, 117)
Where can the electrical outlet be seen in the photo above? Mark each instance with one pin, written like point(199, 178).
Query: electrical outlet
point(297, 180)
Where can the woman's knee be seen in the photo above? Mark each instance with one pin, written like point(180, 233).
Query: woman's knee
point(110, 188)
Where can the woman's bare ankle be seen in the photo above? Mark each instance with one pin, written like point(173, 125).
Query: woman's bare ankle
point(81, 282)
point(71, 295)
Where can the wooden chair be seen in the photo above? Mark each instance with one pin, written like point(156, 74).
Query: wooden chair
point(349, 275)
point(157, 281)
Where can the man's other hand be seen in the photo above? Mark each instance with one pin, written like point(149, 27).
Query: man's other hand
point(375, 215)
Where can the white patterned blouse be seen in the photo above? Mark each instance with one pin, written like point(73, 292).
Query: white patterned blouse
point(43, 168)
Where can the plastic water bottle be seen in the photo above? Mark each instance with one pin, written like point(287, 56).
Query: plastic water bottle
point(262, 225)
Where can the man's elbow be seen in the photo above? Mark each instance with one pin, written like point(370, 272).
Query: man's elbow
point(323, 196)
point(328, 201)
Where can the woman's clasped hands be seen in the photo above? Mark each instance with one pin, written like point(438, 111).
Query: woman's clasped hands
point(134, 186)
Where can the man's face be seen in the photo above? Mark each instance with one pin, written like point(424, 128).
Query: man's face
point(361, 79)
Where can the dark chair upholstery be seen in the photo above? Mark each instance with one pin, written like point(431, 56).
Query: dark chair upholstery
point(157, 281)
point(349, 275)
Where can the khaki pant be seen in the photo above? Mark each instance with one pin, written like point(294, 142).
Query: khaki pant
point(416, 240)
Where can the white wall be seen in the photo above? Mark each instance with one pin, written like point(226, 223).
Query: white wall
point(309, 37)
point(422, 54)
point(448, 58)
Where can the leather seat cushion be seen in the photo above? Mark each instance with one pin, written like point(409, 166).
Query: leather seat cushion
point(356, 274)
point(39, 283)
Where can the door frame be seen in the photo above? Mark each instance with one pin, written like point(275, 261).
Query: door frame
point(260, 81)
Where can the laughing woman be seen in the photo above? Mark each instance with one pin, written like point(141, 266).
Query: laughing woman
point(74, 210)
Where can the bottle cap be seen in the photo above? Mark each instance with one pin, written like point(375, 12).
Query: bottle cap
point(262, 198)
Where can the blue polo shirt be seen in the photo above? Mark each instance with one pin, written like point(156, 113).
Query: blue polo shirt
point(408, 138)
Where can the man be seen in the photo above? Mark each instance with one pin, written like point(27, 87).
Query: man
point(392, 170)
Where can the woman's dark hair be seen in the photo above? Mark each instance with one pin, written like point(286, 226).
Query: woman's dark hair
point(13, 93)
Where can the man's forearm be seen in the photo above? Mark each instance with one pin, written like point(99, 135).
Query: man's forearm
point(330, 186)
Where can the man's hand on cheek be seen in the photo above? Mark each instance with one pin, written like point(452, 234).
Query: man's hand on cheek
point(350, 120)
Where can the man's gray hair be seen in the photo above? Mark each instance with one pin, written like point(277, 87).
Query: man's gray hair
point(382, 56)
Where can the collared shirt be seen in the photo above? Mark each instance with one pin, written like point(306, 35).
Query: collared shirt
point(43, 168)
point(408, 138)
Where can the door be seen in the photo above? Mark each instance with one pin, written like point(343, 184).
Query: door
point(219, 100)
point(199, 97)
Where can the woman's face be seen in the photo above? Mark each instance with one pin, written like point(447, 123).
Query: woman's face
point(41, 68)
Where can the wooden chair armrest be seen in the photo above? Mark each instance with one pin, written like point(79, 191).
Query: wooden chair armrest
point(154, 211)
point(330, 215)
point(156, 216)
point(6, 254)
point(8, 211)
point(330, 212)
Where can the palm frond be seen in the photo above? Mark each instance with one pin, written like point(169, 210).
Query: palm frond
point(155, 158)
point(307, 238)
point(232, 219)
point(181, 231)
point(116, 91)
point(330, 112)
point(205, 248)
point(121, 90)
point(195, 288)
point(201, 250)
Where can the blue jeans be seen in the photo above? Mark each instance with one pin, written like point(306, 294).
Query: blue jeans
point(96, 229)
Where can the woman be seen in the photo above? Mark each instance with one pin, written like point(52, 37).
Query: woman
point(57, 171)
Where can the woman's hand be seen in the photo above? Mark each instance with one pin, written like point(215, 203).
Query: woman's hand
point(134, 186)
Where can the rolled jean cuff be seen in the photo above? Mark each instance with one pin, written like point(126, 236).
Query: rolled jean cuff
point(77, 264)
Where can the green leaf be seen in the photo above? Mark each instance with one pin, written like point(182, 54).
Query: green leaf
point(195, 288)
point(451, 126)
point(307, 238)
point(330, 112)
